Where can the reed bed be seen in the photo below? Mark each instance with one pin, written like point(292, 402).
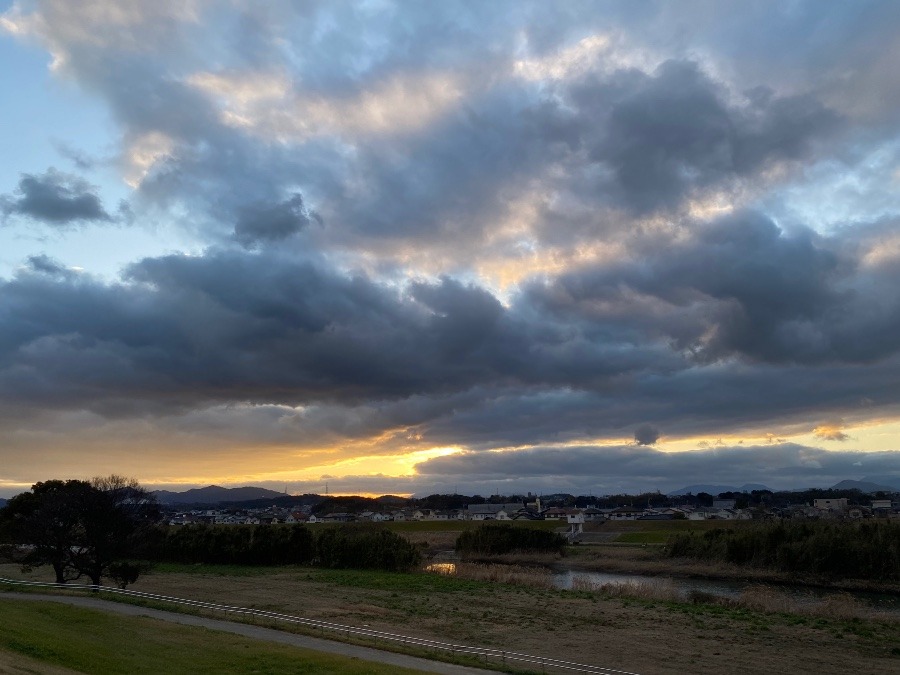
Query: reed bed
point(840, 606)
point(652, 589)
point(518, 575)
point(758, 598)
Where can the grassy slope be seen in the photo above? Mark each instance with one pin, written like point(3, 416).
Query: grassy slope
point(94, 642)
point(582, 626)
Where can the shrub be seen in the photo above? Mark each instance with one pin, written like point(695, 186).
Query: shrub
point(495, 539)
point(232, 544)
point(349, 547)
point(832, 549)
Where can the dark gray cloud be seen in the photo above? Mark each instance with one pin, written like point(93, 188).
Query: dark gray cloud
point(646, 434)
point(55, 198)
point(673, 131)
point(575, 357)
point(264, 223)
point(44, 264)
point(614, 469)
point(743, 287)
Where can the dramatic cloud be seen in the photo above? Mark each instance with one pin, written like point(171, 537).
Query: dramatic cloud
point(55, 198)
point(612, 469)
point(360, 231)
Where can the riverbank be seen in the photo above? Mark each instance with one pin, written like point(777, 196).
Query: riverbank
point(652, 561)
point(641, 635)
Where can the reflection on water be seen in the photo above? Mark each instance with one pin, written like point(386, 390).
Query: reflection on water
point(442, 568)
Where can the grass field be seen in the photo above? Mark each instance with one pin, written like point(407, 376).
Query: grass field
point(403, 527)
point(94, 642)
point(650, 537)
point(648, 633)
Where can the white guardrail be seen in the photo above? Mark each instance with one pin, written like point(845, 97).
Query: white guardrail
point(340, 629)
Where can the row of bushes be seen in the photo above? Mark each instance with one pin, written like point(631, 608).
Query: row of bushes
point(869, 550)
point(490, 539)
point(343, 547)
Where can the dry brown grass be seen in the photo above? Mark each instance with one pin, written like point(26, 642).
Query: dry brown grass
point(518, 575)
point(523, 559)
point(840, 606)
point(435, 541)
point(651, 638)
point(663, 590)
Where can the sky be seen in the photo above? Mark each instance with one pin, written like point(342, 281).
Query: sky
point(421, 247)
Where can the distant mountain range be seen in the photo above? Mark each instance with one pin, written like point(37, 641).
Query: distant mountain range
point(2, 502)
point(213, 494)
point(891, 481)
point(867, 485)
point(716, 489)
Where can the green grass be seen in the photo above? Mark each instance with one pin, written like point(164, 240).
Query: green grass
point(671, 525)
point(221, 570)
point(651, 537)
point(423, 583)
point(94, 642)
point(460, 525)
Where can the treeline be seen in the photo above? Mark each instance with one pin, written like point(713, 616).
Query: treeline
point(869, 550)
point(108, 528)
point(230, 545)
point(495, 539)
point(348, 546)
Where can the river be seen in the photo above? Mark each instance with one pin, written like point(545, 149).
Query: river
point(685, 587)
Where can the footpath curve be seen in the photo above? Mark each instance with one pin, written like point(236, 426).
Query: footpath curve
point(260, 633)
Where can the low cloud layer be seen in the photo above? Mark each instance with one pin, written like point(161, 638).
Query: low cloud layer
point(613, 470)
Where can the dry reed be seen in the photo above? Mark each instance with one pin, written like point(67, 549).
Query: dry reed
point(504, 574)
point(652, 589)
point(839, 606)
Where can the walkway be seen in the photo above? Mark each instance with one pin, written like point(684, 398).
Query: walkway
point(260, 633)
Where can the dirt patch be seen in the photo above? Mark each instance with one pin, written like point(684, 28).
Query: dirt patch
point(17, 664)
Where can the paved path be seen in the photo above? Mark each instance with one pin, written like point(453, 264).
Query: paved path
point(259, 633)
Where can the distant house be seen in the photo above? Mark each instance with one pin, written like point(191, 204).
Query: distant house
point(340, 517)
point(591, 513)
point(527, 514)
point(625, 513)
point(702, 513)
point(556, 513)
point(831, 504)
point(724, 503)
point(490, 511)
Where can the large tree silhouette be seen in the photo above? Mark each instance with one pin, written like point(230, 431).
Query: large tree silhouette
point(81, 528)
point(40, 527)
